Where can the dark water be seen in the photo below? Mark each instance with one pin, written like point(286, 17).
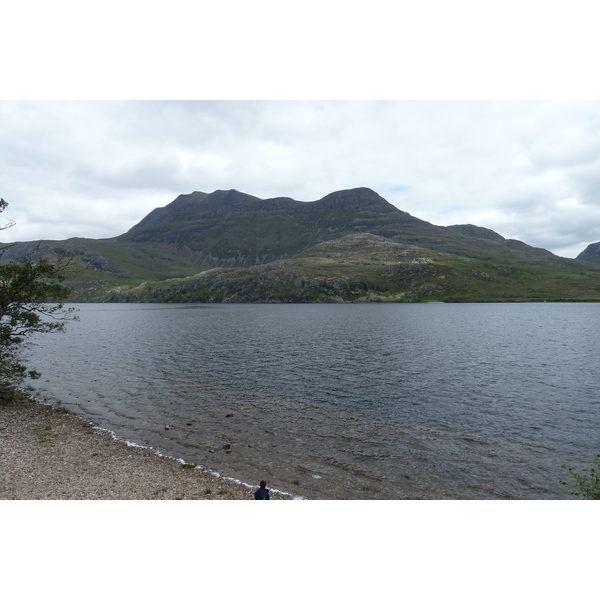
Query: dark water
point(343, 401)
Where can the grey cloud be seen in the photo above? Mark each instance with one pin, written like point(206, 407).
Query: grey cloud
point(128, 172)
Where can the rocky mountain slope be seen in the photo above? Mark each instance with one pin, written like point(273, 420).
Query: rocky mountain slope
point(351, 245)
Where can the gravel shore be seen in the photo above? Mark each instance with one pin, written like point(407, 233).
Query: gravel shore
point(49, 455)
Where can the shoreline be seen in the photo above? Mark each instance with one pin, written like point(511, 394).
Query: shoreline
point(47, 454)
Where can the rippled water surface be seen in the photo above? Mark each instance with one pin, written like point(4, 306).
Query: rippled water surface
point(343, 401)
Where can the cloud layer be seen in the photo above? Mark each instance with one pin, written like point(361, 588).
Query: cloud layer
point(528, 170)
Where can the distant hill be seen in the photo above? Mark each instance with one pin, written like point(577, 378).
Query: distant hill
point(591, 253)
point(363, 267)
point(350, 245)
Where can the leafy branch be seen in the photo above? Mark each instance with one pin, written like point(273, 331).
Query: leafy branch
point(31, 301)
point(587, 486)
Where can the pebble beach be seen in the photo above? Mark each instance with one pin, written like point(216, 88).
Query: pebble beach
point(46, 454)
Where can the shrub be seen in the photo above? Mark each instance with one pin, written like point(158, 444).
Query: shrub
point(587, 486)
point(31, 292)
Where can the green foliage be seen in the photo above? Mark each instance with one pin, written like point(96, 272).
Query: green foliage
point(31, 292)
point(587, 486)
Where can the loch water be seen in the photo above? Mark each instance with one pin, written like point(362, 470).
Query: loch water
point(365, 401)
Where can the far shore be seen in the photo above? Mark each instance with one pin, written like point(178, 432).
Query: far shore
point(46, 454)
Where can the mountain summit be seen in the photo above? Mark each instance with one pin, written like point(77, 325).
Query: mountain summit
point(355, 199)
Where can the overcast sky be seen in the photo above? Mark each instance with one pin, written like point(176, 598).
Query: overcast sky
point(529, 170)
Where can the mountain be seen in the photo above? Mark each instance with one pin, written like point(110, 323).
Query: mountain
point(591, 253)
point(349, 245)
point(229, 228)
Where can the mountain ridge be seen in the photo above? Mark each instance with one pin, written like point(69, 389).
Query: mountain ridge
point(233, 231)
point(206, 223)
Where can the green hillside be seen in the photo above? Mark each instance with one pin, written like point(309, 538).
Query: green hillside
point(352, 245)
point(368, 268)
